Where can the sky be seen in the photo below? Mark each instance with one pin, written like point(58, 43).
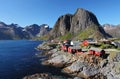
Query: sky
point(28, 12)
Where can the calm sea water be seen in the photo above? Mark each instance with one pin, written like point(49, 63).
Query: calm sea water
point(17, 58)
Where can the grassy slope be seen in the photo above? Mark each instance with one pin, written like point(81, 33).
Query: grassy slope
point(90, 32)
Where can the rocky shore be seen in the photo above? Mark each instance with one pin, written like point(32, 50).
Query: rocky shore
point(83, 66)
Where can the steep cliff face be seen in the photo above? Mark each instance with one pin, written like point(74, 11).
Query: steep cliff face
point(82, 24)
point(81, 20)
point(62, 26)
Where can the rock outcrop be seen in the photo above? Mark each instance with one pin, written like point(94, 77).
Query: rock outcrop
point(84, 65)
point(83, 24)
point(62, 26)
point(81, 20)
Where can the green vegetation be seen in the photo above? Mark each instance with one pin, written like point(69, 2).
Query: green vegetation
point(118, 48)
point(90, 32)
point(104, 46)
point(66, 36)
point(85, 33)
point(41, 38)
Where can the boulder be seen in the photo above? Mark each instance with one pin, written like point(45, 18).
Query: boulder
point(38, 76)
point(82, 68)
point(117, 57)
point(75, 67)
point(103, 63)
point(60, 59)
point(45, 46)
point(90, 71)
point(112, 69)
point(77, 78)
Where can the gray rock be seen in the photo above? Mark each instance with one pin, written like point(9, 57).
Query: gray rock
point(76, 66)
point(44, 46)
point(57, 53)
point(81, 20)
point(77, 78)
point(103, 63)
point(59, 58)
point(105, 70)
point(117, 57)
point(90, 71)
point(111, 70)
point(111, 76)
point(62, 26)
point(116, 70)
point(53, 51)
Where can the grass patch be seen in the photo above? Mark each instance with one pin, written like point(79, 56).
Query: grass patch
point(90, 32)
point(42, 38)
point(66, 36)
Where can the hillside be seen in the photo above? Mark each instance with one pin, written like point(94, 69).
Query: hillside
point(80, 25)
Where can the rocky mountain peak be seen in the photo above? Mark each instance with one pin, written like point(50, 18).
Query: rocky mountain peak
point(2, 24)
point(44, 26)
point(83, 19)
point(61, 26)
point(76, 23)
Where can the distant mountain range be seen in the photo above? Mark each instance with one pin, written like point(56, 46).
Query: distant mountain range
point(113, 30)
point(14, 31)
point(80, 25)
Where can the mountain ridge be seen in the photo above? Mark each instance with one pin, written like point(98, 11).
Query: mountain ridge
point(14, 31)
point(113, 30)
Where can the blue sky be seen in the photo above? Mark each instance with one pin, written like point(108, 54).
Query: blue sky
point(27, 12)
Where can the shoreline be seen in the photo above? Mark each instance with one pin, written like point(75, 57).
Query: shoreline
point(77, 66)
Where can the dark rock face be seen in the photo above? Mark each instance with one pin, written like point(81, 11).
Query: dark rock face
point(113, 30)
point(14, 31)
point(82, 19)
point(62, 26)
point(74, 24)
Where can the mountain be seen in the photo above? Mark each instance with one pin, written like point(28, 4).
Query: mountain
point(14, 31)
point(80, 25)
point(113, 30)
point(44, 29)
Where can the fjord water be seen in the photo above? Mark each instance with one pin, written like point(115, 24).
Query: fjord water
point(17, 58)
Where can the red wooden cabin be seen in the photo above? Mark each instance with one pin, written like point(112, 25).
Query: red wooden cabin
point(97, 53)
